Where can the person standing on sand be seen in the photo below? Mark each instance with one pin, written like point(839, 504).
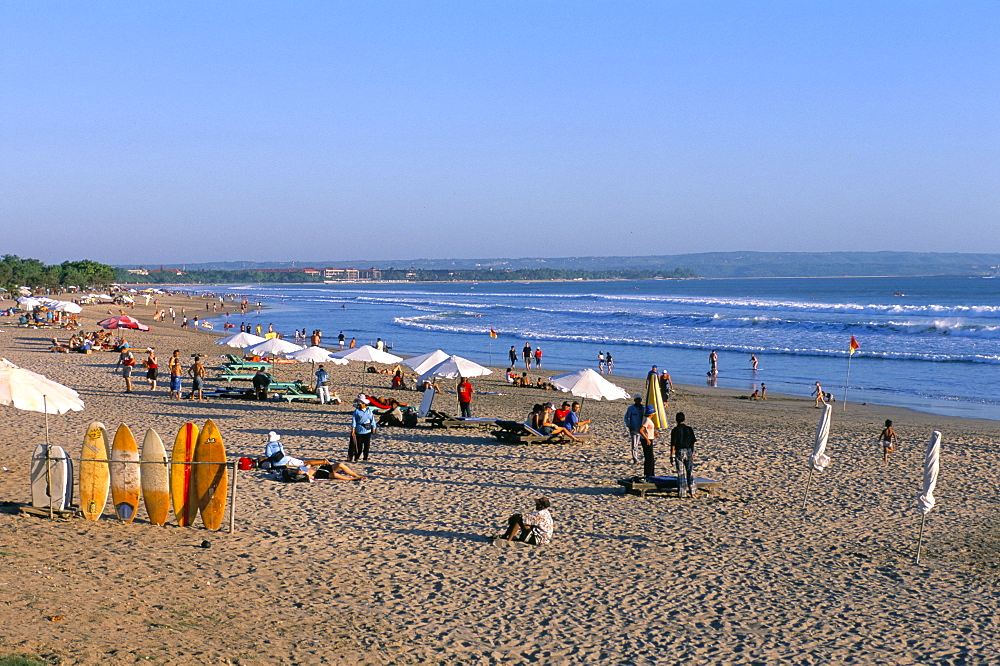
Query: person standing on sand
point(127, 361)
point(353, 342)
point(197, 372)
point(176, 370)
point(362, 428)
point(611, 364)
point(763, 391)
point(652, 376)
point(526, 354)
point(151, 368)
point(666, 386)
point(633, 421)
point(464, 390)
point(538, 357)
point(682, 441)
point(513, 356)
point(322, 385)
point(646, 434)
point(820, 396)
point(888, 440)
point(600, 361)
point(340, 339)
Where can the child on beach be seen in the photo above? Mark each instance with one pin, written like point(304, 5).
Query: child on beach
point(888, 439)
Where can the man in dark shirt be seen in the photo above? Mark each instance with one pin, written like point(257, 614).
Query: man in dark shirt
point(260, 384)
point(682, 441)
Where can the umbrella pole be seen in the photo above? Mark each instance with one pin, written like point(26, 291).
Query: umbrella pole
point(808, 481)
point(920, 537)
point(45, 404)
point(48, 455)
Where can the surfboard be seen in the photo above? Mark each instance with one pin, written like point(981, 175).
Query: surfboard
point(50, 477)
point(155, 478)
point(125, 474)
point(426, 402)
point(210, 481)
point(182, 476)
point(95, 479)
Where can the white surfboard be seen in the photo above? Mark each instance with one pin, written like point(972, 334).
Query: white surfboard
point(427, 402)
point(51, 478)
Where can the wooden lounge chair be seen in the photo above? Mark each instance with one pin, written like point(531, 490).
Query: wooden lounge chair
point(518, 433)
point(438, 419)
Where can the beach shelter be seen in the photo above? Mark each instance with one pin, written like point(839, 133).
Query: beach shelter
point(273, 347)
point(655, 398)
point(240, 340)
point(30, 391)
point(926, 501)
point(124, 321)
point(590, 385)
point(456, 366)
point(424, 362)
point(818, 461)
point(368, 354)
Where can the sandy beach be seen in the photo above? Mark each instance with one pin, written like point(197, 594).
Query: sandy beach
point(398, 569)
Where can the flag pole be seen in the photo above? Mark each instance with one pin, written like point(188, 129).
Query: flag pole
point(847, 383)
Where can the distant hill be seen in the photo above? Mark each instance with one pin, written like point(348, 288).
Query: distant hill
point(705, 264)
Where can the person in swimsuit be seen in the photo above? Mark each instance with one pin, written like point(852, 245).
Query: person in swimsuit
point(888, 439)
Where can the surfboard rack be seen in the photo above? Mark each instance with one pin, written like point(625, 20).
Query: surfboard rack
point(232, 466)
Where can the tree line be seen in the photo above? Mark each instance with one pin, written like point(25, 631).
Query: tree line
point(208, 276)
point(17, 272)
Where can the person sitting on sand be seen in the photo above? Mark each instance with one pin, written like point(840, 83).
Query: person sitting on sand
point(546, 386)
point(547, 425)
point(398, 382)
point(534, 419)
point(534, 527)
point(573, 422)
point(888, 440)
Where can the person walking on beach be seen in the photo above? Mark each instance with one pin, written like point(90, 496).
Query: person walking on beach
point(322, 385)
point(464, 390)
point(820, 396)
point(197, 372)
point(513, 356)
point(682, 441)
point(888, 440)
point(341, 339)
point(646, 434)
point(176, 371)
point(600, 361)
point(362, 428)
point(526, 355)
point(610, 362)
point(538, 357)
point(666, 386)
point(127, 361)
point(633, 421)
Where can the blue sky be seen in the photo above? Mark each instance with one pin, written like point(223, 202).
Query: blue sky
point(196, 131)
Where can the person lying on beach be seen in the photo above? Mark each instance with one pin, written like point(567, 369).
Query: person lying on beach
point(327, 470)
point(274, 453)
point(429, 383)
point(534, 527)
point(547, 386)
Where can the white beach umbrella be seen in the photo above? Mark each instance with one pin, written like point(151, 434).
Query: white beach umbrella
point(240, 340)
point(818, 461)
point(30, 391)
point(424, 362)
point(926, 501)
point(368, 354)
point(315, 355)
point(29, 303)
point(589, 384)
point(66, 306)
point(456, 366)
point(273, 347)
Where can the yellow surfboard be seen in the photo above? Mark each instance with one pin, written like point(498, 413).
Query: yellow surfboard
point(210, 481)
point(95, 478)
point(125, 474)
point(182, 476)
point(155, 478)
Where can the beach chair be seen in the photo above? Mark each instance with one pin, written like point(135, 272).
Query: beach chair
point(638, 485)
point(513, 432)
point(296, 393)
point(438, 419)
point(234, 363)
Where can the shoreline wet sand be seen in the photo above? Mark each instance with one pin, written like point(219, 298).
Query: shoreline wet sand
point(398, 569)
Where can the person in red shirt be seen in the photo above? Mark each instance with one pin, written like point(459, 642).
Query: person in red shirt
point(464, 396)
point(538, 357)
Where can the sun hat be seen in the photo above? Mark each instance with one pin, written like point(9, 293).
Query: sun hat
point(363, 399)
point(650, 409)
point(273, 436)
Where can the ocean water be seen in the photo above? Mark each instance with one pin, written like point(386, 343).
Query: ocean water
point(932, 344)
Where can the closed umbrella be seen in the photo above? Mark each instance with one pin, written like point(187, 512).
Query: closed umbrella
point(926, 501)
point(818, 461)
point(240, 340)
point(424, 362)
point(456, 366)
point(655, 398)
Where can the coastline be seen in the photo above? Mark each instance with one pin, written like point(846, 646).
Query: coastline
point(396, 569)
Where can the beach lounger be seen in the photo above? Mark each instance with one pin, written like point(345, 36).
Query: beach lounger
point(638, 485)
point(235, 363)
point(438, 419)
point(518, 433)
point(297, 393)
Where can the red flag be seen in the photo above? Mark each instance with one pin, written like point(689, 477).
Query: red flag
point(854, 346)
point(493, 333)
